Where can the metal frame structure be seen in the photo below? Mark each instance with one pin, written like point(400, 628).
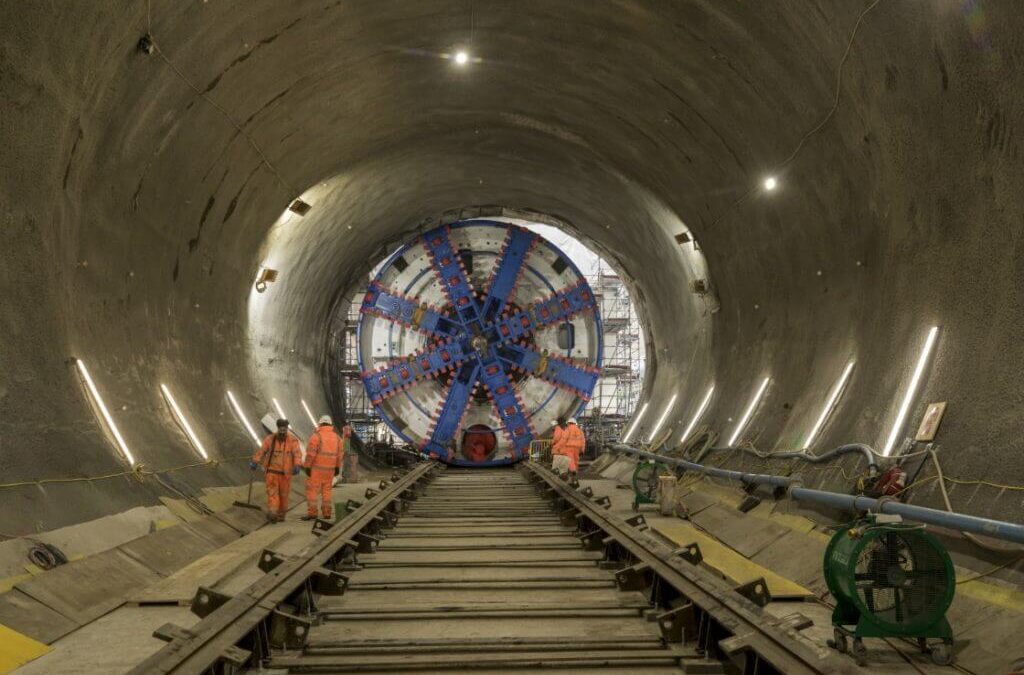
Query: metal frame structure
point(476, 339)
point(272, 612)
point(270, 621)
point(693, 606)
point(618, 390)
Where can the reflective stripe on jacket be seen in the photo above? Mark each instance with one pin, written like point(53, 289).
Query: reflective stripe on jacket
point(279, 456)
point(325, 449)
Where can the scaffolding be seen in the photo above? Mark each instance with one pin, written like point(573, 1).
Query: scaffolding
point(359, 411)
point(616, 393)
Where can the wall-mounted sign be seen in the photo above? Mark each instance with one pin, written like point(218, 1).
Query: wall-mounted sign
point(930, 422)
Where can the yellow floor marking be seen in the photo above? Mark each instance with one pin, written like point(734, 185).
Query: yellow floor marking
point(992, 594)
point(8, 583)
point(16, 650)
point(728, 562)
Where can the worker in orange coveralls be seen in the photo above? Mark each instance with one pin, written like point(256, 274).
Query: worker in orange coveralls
point(324, 454)
point(280, 456)
point(568, 442)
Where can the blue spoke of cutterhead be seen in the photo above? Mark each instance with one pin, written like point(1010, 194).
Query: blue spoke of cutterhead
point(558, 307)
point(449, 415)
point(511, 260)
point(409, 312)
point(404, 372)
point(507, 404)
point(447, 263)
point(579, 379)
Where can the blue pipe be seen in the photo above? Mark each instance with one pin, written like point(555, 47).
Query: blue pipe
point(996, 529)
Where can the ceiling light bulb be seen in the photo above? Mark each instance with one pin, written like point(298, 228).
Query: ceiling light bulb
point(461, 58)
point(770, 183)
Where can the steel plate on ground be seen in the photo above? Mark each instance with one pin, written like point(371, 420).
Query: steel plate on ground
point(85, 589)
point(168, 550)
point(30, 617)
point(747, 534)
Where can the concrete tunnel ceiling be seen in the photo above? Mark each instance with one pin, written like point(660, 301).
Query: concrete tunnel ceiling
point(141, 193)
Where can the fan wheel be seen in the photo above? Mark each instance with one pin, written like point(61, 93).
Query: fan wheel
point(860, 652)
point(838, 641)
point(645, 481)
point(942, 654)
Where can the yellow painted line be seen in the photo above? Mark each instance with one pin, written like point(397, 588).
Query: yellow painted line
point(728, 562)
point(16, 650)
point(8, 583)
point(992, 594)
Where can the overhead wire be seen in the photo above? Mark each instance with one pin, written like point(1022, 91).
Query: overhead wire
point(821, 124)
point(967, 535)
point(206, 97)
point(139, 472)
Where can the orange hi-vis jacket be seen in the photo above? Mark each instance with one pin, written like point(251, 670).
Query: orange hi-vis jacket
point(568, 441)
point(326, 448)
point(277, 456)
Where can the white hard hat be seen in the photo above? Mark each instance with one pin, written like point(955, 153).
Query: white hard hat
point(572, 420)
point(325, 419)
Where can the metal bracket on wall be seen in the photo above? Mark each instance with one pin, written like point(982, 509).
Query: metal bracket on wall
point(690, 553)
point(637, 521)
point(592, 540)
point(366, 543)
point(635, 577)
point(269, 560)
point(288, 631)
point(206, 601)
point(679, 624)
point(328, 582)
point(321, 526)
point(756, 591)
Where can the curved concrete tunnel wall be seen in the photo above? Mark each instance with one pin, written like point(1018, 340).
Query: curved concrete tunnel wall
point(138, 211)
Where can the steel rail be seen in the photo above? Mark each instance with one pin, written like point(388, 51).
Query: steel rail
point(756, 632)
point(205, 644)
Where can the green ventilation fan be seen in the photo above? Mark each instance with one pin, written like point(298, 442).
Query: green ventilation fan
point(645, 484)
point(889, 580)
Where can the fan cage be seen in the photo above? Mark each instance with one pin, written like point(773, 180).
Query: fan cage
point(899, 576)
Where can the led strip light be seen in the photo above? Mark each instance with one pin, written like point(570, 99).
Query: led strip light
point(98, 400)
point(698, 414)
point(750, 411)
point(196, 443)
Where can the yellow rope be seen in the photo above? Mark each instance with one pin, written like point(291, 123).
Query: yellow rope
point(994, 569)
point(1000, 486)
point(139, 472)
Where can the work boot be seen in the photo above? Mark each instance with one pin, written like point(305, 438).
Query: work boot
point(308, 517)
point(271, 517)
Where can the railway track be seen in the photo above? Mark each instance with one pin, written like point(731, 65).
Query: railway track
point(499, 570)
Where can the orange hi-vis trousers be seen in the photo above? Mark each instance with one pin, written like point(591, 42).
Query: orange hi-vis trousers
point(318, 487)
point(278, 487)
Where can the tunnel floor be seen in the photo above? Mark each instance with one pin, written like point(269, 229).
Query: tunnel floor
point(480, 574)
